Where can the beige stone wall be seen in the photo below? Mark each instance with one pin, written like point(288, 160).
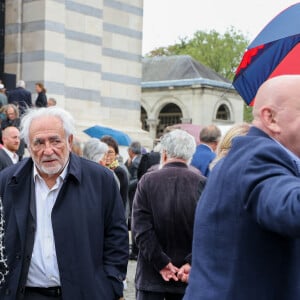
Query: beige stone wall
point(122, 44)
point(86, 52)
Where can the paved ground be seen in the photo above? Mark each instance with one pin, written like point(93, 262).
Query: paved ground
point(129, 293)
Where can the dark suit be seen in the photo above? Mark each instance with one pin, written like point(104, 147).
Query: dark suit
point(202, 158)
point(147, 160)
point(133, 166)
point(247, 227)
point(21, 98)
point(133, 178)
point(89, 228)
point(5, 160)
point(163, 218)
point(41, 100)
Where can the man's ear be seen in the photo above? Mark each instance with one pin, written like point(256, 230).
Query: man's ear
point(214, 146)
point(70, 141)
point(164, 156)
point(269, 119)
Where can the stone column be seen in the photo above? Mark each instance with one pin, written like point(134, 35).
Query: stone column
point(152, 127)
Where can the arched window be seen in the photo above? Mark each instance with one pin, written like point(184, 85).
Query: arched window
point(169, 115)
point(144, 118)
point(223, 112)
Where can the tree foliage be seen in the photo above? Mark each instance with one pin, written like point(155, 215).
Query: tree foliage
point(220, 52)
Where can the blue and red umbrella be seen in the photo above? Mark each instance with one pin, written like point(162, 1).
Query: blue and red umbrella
point(275, 51)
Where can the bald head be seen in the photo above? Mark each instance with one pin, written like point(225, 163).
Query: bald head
point(277, 110)
point(11, 138)
point(277, 92)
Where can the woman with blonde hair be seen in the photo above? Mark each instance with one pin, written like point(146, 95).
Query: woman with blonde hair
point(225, 144)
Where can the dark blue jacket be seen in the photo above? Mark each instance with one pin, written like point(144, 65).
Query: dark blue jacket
point(247, 226)
point(202, 158)
point(20, 97)
point(90, 232)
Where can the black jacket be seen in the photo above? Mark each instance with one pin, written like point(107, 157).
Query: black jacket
point(163, 218)
point(122, 175)
point(41, 100)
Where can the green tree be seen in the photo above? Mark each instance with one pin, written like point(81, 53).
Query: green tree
point(248, 113)
point(220, 52)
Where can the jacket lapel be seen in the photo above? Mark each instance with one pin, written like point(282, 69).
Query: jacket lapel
point(19, 190)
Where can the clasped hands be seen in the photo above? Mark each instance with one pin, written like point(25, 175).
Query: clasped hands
point(171, 272)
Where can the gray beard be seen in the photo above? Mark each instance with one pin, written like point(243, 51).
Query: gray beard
point(53, 170)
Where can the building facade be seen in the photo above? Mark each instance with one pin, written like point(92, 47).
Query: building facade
point(86, 52)
point(88, 55)
point(178, 89)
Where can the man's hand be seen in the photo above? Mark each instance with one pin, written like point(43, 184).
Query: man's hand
point(169, 272)
point(184, 272)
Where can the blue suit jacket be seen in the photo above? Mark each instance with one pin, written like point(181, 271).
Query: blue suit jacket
point(202, 158)
point(90, 232)
point(246, 237)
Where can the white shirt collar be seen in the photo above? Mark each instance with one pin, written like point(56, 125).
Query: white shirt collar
point(208, 147)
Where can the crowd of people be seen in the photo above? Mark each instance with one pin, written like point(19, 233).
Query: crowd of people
point(218, 220)
point(22, 98)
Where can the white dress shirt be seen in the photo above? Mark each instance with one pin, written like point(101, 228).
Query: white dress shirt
point(12, 155)
point(43, 269)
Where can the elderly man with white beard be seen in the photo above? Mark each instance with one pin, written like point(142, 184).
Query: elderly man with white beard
point(66, 235)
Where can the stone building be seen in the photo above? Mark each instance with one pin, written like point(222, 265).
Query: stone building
point(86, 52)
point(88, 55)
point(178, 89)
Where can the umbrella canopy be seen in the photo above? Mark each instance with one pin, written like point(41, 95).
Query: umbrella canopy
point(192, 129)
point(275, 51)
point(99, 131)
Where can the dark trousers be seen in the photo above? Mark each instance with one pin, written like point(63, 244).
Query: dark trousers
point(145, 295)
point(29, 295)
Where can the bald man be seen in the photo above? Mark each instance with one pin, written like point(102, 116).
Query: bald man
point(246, 242)
point(11, 143)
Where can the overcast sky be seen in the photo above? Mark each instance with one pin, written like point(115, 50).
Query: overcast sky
point(167, 20)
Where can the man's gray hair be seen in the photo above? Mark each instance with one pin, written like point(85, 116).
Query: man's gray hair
point(94, 149)
point(136, 147)
point(38, 113)
point(21, 83)
point(178, 144)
